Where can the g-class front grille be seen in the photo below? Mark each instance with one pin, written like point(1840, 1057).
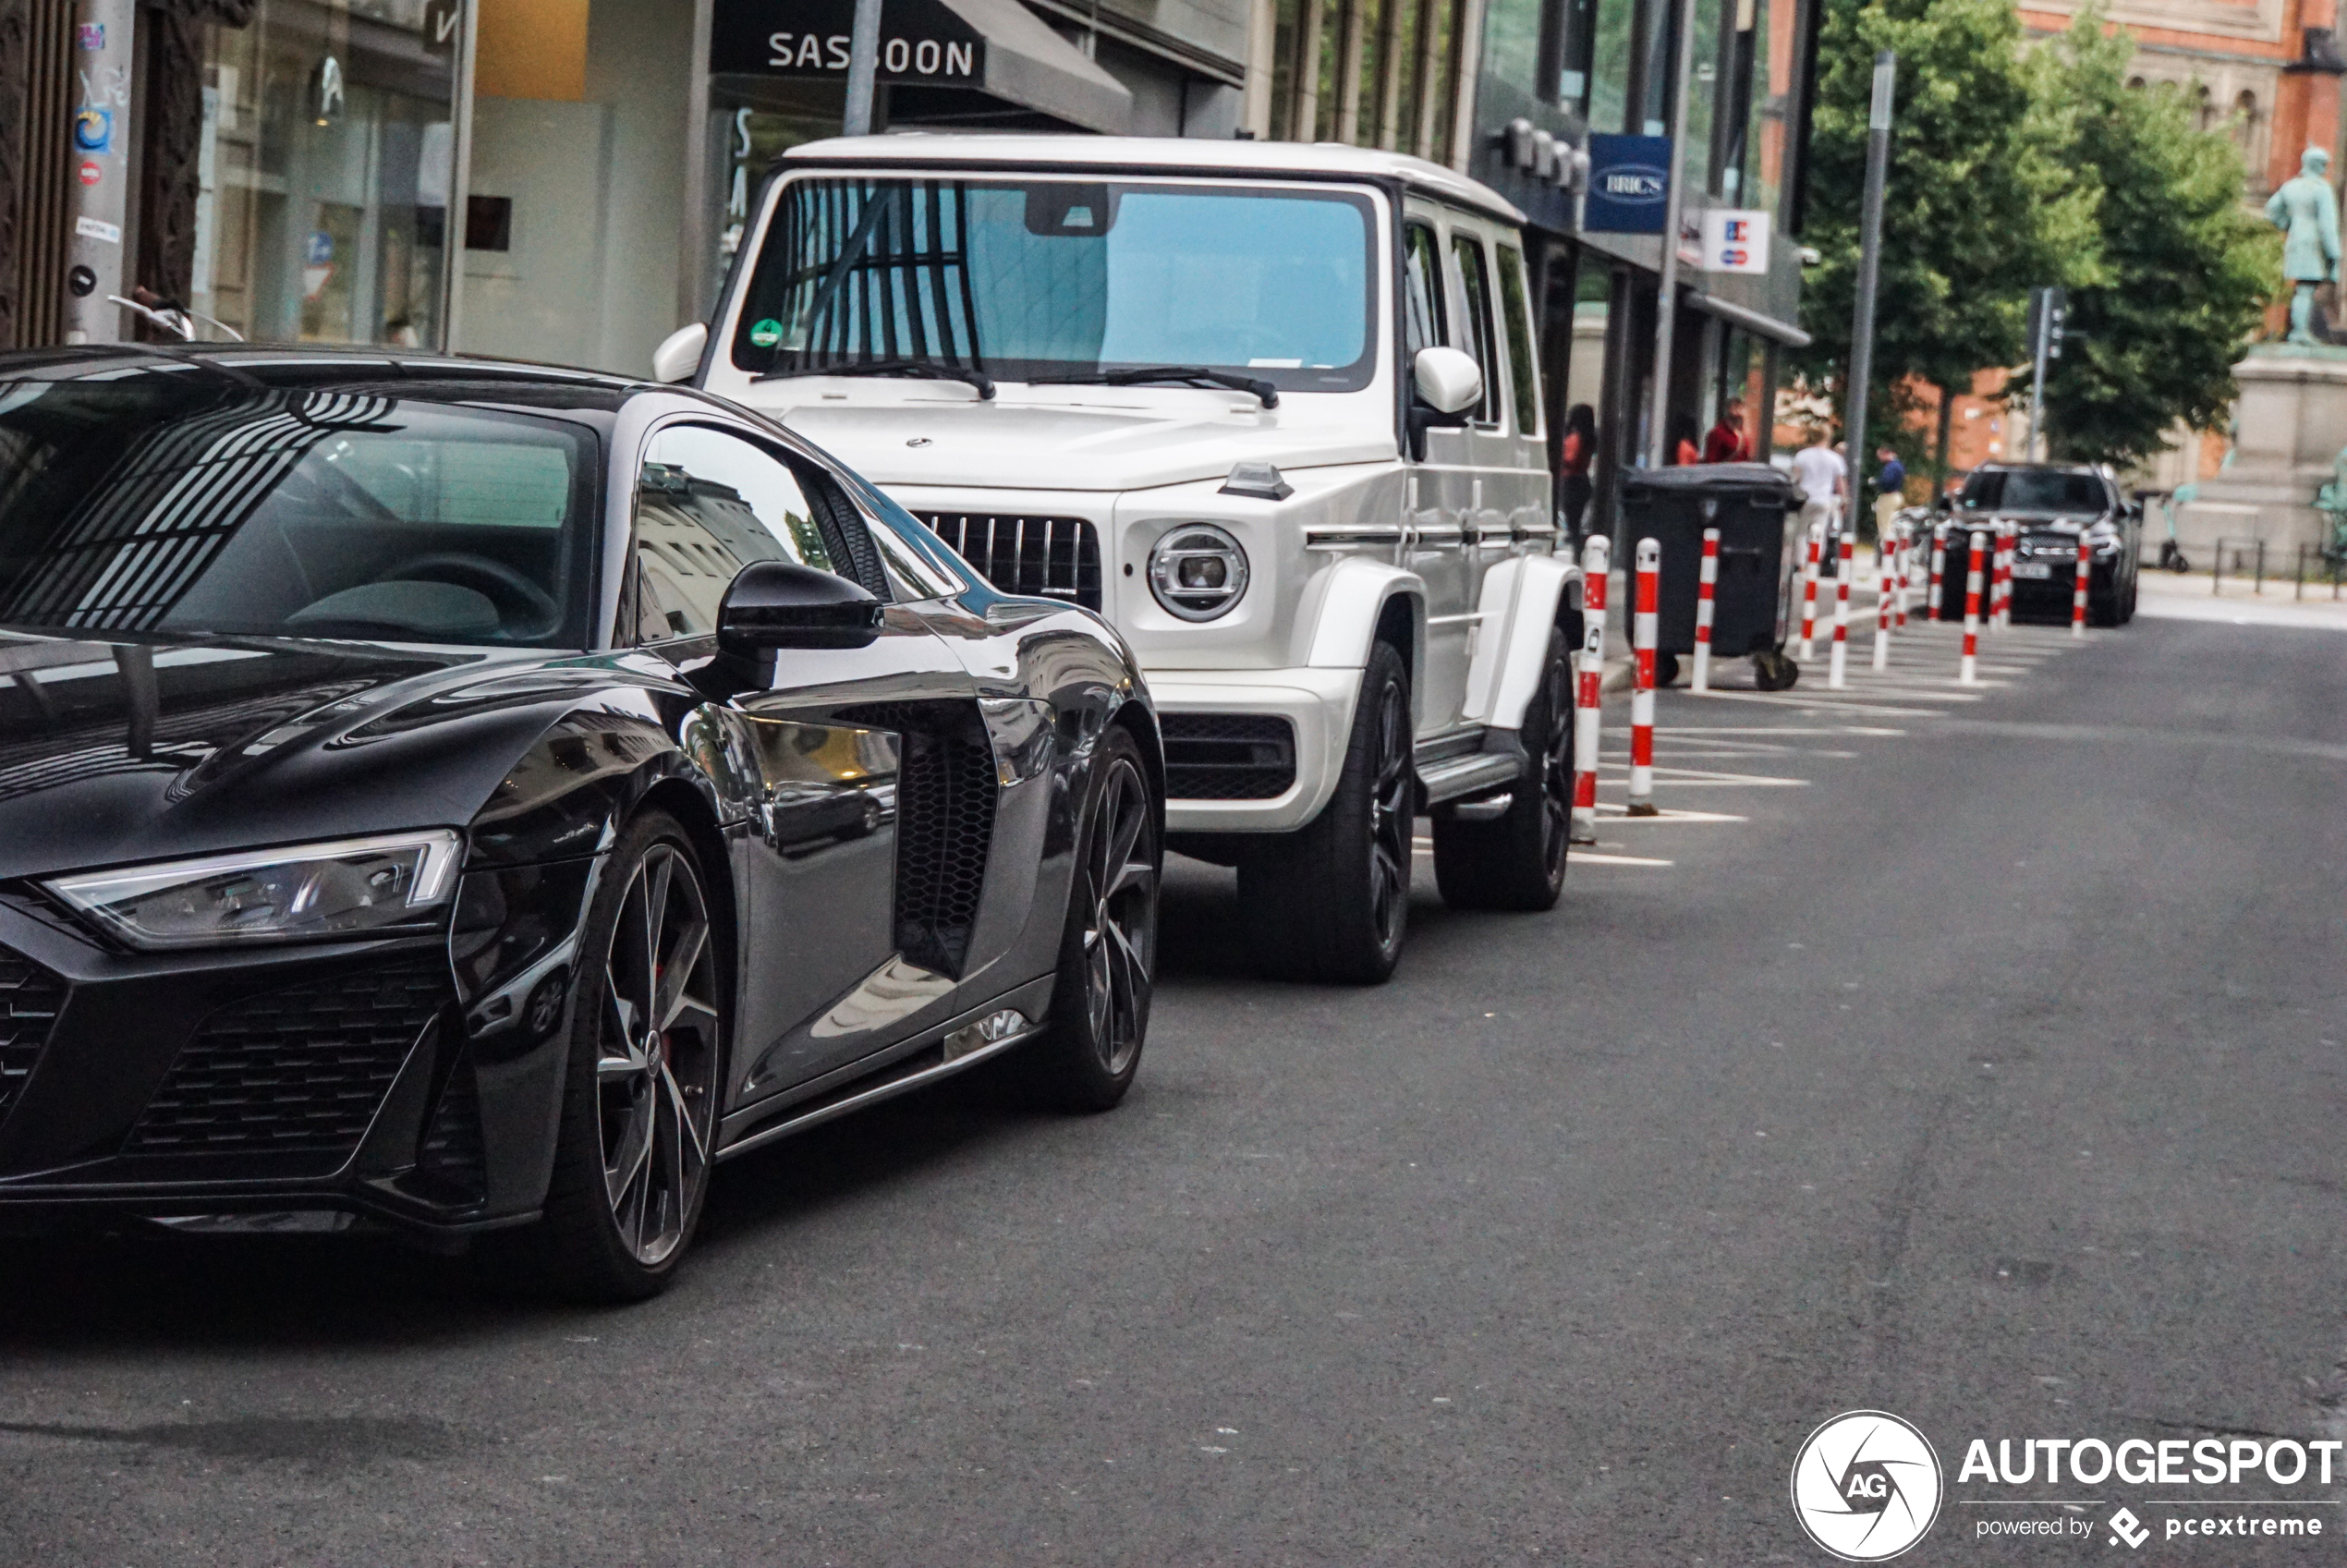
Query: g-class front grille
point(301, 1070)
point(1054, 557)
point(1228, 756)
point(30, 999)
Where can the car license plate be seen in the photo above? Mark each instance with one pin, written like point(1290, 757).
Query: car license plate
point(2037, 570)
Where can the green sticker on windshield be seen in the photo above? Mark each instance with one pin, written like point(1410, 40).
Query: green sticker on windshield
point(766, 334)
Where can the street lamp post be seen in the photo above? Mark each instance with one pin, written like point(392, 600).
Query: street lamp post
point(1666, 308)
point(863, 67)
point(1853, 433)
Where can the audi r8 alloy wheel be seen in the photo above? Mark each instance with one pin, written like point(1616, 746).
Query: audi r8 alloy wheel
point(632, 1158)
point(1107, 955)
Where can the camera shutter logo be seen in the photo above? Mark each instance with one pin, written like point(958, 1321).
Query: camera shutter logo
point(1866, 1486)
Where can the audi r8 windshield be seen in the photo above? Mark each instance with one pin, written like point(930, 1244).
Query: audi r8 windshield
point(214, 507)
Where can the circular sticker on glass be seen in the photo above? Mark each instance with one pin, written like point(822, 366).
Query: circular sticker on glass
point(766, 334)
point(1866, 1486)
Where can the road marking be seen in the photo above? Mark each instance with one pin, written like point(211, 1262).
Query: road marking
point(1819, 708)
point(1703, 778)
point(1586, 858)
point(1666, 814)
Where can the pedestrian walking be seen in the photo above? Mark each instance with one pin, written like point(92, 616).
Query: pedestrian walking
point(1573, 487)
point(1889, 480)
point(1727, 442)
point(1818, 469)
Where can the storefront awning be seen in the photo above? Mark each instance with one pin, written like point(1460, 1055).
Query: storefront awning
point(997, 47)
point(1752, 322)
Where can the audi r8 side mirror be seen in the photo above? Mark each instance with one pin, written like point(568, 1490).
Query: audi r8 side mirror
point(783, 604)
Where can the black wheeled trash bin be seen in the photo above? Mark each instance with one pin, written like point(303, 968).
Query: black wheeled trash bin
point(1758, 512)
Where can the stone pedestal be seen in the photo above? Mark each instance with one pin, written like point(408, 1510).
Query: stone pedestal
point(2291, 422)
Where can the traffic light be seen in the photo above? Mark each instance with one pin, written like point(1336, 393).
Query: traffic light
point(2048, 308)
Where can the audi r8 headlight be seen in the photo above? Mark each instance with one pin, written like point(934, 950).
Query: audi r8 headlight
point(356, 887)
point(1197, 571)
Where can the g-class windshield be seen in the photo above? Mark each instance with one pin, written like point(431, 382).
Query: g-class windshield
point(1063, 280)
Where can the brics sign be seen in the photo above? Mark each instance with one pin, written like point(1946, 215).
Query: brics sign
point(1629, 184)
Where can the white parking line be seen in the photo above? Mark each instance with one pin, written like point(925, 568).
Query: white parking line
point(1665, 815)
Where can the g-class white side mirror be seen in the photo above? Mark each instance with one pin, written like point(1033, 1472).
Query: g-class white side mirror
point(1448, 381)
point(678, 354)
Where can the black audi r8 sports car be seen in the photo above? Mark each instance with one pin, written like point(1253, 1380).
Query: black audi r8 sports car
point(466, 798)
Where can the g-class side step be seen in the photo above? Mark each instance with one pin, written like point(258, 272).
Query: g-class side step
point(1450, 767)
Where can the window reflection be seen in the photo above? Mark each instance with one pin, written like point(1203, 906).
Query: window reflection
point(323, 173)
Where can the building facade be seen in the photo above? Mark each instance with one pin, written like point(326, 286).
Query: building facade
point(556, 179)
point(1509, 90)
point(567, 179)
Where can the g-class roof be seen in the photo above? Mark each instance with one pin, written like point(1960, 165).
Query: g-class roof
point(1155, 154)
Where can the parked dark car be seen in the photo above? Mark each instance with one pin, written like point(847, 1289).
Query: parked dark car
point(2052, 504)
point(466, 797)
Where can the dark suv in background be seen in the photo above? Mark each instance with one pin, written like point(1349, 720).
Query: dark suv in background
point(2052, 504)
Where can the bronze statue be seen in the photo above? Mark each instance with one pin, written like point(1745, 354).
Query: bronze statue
point(2306, 209)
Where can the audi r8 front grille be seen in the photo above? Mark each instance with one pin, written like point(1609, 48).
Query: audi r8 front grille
point(301, 1070)
point(30, 999)
point(1228, 756)
point(1056, 557)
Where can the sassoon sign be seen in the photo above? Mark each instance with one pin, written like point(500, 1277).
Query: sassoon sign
point(920, 41)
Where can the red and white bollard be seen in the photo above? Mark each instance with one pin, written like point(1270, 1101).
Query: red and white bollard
point(1884, 551)
point(2005, 537)
point(1939, 564)
point(1970, 670)
point(1596, 565)
point(1901, 552)
point(1838, 669)
point(1809, 588)
point(1706, 583)
point(1643, 621)
point(2078, 589)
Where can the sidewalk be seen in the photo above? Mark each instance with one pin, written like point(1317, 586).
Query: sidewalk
point(2186, 597)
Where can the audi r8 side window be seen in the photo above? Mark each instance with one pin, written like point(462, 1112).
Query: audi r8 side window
point(708, 503)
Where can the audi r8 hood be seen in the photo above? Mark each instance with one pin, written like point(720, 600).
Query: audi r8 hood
point(1009, 444)
point(116, 752)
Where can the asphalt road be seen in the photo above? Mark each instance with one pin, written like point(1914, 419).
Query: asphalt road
point(1990, 1074)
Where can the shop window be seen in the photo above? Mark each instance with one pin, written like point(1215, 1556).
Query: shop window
point(1759, 164)
point(1607, 103)
point(324, 169)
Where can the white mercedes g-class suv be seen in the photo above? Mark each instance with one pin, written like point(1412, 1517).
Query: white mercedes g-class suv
point(1272, 411)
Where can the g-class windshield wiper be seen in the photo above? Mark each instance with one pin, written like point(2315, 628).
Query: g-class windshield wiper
point(927, 369)
point(1263, 390)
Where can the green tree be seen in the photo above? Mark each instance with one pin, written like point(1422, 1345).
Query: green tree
point(1979, 205)
point(2186, 271)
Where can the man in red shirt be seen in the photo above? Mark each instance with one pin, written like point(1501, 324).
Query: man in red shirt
point(1727, 443)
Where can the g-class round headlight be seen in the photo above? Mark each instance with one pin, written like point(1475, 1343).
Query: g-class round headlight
point(1197, 571)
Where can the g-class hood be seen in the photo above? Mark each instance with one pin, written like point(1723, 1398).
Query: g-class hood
point(1012, 445)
